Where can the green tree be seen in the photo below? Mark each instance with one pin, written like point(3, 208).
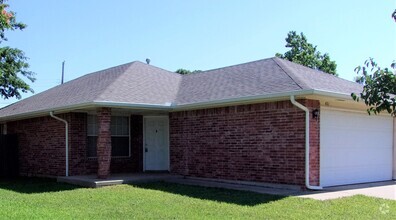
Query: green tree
point(185, 72)
point(379, 85)
point(13, 63)
point(306, 54)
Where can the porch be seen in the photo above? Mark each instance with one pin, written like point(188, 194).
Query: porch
point(123, 141)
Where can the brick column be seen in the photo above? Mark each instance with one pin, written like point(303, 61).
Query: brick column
point(103, 147)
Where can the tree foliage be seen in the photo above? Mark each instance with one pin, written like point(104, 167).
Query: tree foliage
point(379, 85)
point(394, 15)
point(185, 72)
point(306, 54)
point(12, 60)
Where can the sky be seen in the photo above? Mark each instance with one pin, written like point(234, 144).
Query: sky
point(92, 35)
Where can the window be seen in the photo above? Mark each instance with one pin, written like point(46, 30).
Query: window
point(119, 127)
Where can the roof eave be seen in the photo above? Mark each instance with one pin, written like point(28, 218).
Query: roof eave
point(165, 106)
point(243, 100)
point(43, 112)
point(261, 98)
point(181, 107)
point(337, 95)
point(81, 106)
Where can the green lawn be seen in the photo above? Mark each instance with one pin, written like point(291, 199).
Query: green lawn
point(46, 199)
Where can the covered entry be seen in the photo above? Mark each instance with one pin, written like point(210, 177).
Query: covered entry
point(354, 147)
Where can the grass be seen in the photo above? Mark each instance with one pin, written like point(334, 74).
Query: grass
point(46, 199)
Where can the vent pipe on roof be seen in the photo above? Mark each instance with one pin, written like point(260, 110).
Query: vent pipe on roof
point(63, 71)
point(148, 61)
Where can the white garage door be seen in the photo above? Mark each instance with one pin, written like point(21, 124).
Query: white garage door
point(354, 147)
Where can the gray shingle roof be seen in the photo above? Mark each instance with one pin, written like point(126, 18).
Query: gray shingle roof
point(309, 78)
point(248, 79)
point(133, 82)
point(139, 83)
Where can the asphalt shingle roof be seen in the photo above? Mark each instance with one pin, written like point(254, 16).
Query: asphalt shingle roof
point(133, 82)
point(139, 83)
point(248, 79)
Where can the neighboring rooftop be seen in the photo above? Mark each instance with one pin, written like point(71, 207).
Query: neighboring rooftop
point(142, 84)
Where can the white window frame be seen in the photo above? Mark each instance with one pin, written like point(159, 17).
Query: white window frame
point(129, 136)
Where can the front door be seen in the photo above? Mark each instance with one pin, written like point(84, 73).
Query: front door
point(156, 143)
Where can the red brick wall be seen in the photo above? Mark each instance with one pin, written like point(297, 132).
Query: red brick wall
point(77, 144)
point(103, 148)
point(42, 146)
point(259, 142)
point(314, 136)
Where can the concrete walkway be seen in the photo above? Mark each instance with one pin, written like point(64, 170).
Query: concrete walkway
point(263, 188)
point(385, 190)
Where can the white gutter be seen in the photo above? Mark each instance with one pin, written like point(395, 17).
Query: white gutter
point(307, 184)
point(266, 97)
point(66, 140)
point(181, 107)
point(68, 108)
point(165, 106)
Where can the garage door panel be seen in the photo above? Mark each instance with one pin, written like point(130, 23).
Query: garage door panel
point(351, 157)
point(356, 174)
point(354, 148)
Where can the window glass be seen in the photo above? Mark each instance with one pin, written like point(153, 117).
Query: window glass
point(119, 128)
point(92, 127)
point(91, 146)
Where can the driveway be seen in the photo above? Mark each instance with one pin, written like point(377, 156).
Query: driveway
point(384, 190)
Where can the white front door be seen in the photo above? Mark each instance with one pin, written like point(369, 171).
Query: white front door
point(354, 147)
point(156, 143)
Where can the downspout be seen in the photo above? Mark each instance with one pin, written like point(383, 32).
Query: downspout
point(66, 140)
point(300, 106)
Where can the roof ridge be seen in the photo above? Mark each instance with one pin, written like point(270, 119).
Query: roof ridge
point(132, 64)
point(318, 71)
point(158, 68)
point(180, 76)
point(66, 83)
point(283, 69)
point(206, 71)
point(115, 79)
point(297, 79)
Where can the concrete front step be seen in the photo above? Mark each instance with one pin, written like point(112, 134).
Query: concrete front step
point(116, 179)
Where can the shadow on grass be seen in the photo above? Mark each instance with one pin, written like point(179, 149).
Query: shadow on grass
point(238, 197)
point(34, 185)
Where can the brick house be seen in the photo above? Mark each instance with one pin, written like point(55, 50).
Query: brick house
point(268, 121)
